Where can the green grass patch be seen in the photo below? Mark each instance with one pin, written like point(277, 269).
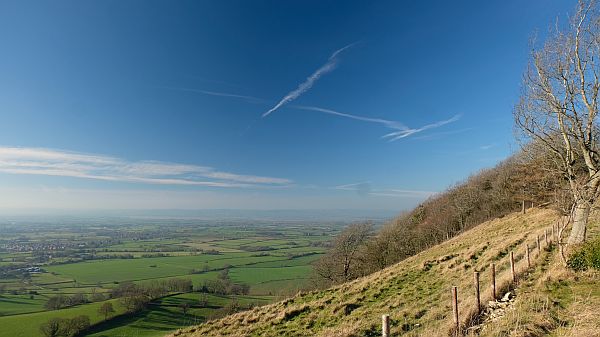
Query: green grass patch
point(27, 325)
point(102, 271)
point(19, 304)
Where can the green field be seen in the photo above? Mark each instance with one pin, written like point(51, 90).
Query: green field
point(19, 304)
point(109, 271)
point(273, 260)
point(27, 325)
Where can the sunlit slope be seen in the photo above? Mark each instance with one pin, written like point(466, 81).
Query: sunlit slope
point(416, 293)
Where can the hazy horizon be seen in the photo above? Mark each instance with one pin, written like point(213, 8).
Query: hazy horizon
point(60, 215)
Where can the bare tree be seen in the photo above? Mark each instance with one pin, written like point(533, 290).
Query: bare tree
point(341, 263)
point(185, 307)
point(559, 104)
point(379, 251)
point(106, 309)
point(52, 328)
point(203, 300)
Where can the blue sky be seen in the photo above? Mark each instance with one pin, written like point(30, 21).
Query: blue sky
point(256, 104)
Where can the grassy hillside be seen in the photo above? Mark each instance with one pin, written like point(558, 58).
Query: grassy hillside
point(416, 292)
point(165, 315)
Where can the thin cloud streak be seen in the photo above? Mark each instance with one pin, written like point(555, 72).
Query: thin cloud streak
point(220, 94)
point(393, 136)
point(442, 134)
point(402, 130)
point(40, 161)
point(351, 187)
point(364, 189)
point(310, 81)
point(388, 123)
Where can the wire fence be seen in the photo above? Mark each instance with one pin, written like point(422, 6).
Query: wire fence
point(498, 283)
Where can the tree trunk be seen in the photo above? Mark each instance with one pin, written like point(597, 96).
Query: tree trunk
point(580, 219)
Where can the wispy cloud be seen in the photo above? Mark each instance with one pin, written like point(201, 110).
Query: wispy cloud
point(437, 135)
point(211, 81)
point(250, 99)
point(310, 81)
point(399, 193)
point(364, 189)
point(487, 146)
point(352, 186)
point(49, 162)
point(402, 130)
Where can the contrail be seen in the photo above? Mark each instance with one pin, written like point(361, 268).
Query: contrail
point(310, 81)
point(221, 94)
point(407, 132)
point(388, 123)
point(443, 133)
point(402, 130)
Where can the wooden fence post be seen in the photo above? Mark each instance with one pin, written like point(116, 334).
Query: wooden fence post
point(512, 267)
point(385, 325)
point(477, 295)
point(494, 281)
point(538, 244)
point(528, 259)
point(455, 307)
point(546, 236)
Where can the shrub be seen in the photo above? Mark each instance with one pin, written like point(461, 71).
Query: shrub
point(588, 256)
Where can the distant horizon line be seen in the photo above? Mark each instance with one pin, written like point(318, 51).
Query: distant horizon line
point(196, 209)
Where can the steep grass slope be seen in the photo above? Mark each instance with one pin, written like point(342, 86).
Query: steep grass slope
point(553, 301)
point(416, 292)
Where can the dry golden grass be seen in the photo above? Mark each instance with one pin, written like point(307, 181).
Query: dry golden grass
point(554, 301)
point(416, 292)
